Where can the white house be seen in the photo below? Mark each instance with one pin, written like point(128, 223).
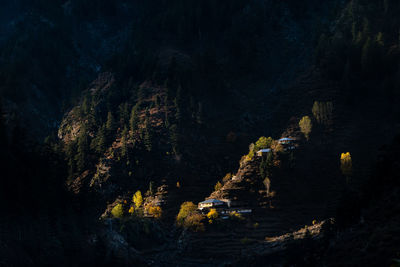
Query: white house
point(263, 152)
point(211, 203)
point(286, 141)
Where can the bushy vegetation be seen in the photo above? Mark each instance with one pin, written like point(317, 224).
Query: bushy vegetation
point(189, 218)
point(262, 143)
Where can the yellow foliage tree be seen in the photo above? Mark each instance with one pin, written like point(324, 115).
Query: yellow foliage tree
point(305, 126)
point(137, 199)
point(154, 211)
point(187, 209)
point(131, 210)
point(118, 211)
point(218, 186)
point(346, 165)
point(212, 215)
point(194, 222)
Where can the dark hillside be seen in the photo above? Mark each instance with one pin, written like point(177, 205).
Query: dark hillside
point(149, 107)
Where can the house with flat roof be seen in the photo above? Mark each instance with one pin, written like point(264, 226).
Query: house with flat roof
point(263, 152)
point(286, 141)
point(211, 203)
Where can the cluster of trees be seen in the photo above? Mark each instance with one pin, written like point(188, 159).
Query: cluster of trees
point(188, 217)
point(136, 207)
point(262, 143)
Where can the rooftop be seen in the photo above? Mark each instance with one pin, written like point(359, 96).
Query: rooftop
point(212, 200)
point(286, 139)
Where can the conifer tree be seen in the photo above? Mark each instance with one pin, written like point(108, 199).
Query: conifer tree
point(178, 108)
point(174, 138)
point(82, 150)
point(110, 125)
point(123, 114)
point(148, 135)
point(133, 120)
point(124, 146)
point(100, 140)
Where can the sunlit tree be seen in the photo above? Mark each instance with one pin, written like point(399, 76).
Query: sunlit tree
point(137, 199)
point(118, 211)
point(154, 211)
point(212, 215)
point(187, 209)
point(346, 165)
point(306, 126)
point(263, 142)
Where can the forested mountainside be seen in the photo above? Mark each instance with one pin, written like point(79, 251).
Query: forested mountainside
point(149, 107)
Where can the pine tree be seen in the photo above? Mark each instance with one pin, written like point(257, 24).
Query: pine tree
point(124, 146)
point(174, 138)
point(123, 114)
point(83, 148)
point(85, 107)
point(110, 126)
point(179, 106)
point(100, 141)
point(148, 135)
point(133, 120)
point(70, 152)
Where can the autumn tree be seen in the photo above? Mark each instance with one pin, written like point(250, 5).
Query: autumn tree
point(154, 211)
point(212, 215)
point(137, 199)
point(305, 126)
point(118, 211)
point(187, 209)
point(346, 165)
